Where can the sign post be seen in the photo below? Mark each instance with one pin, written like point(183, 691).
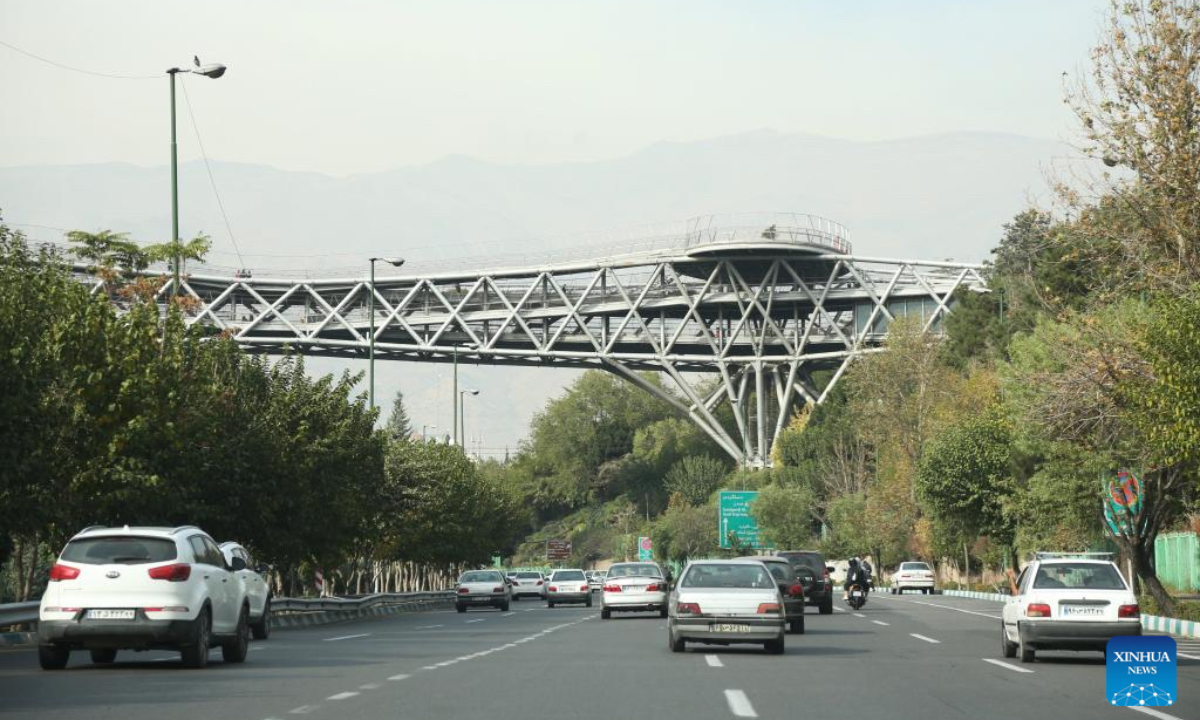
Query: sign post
point(645, 549)
point(736, 522)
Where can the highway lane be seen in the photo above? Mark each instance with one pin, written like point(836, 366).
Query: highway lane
point(909, 657)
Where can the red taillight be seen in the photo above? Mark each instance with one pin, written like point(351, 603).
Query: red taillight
point(179, 572)
point(1128, 611)
point(463, 591)
point(498, 589)
point(553, 589)
point(688, 609)
point(539, 582)
point(63, 572)
point(796, 590)
point(653, 587)
point(583, 589)
point(612, 588)
point(171, 608)
point(768, 608)
point(1037, 610)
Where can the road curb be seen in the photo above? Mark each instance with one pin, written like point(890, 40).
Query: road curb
point(1154, 623)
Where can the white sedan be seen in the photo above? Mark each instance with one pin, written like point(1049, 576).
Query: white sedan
point(722, 602)
point(634, 586)
point(913, 575)
point(1068, 602)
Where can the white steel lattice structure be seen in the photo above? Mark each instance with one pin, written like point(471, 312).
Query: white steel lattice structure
point(762, 308)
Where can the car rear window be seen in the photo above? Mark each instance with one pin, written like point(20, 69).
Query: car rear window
point(568, 575)
point(1078, 576)
point(813, 561)
point(727, 576)
point(781, 571)
point(620, 571)
point(122, 550)
point(913, 566)
point(480, 577)
point(529, 576)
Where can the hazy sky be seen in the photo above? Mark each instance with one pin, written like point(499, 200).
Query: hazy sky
point(366, 85)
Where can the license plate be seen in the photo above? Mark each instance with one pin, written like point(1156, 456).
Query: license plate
point(480, 599)
point(729, 628)
point(110, 614)
point(855, 594)
point(1081, 611)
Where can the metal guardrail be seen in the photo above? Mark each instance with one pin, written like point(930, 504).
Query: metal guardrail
point(27, 612)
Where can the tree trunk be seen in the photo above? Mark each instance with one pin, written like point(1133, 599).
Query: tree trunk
point(1143, 568)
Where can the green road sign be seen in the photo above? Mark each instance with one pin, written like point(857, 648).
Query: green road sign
point(735, 518)
point(645, 549)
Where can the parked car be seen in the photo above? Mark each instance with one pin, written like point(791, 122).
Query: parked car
point(634, 586)
point(568, 586)
point(814, 576)
point(790, 589)
point(142, 588)
point(482, 588)
point(723, 602)
point(528, 582)
point(258, 592)
point(1068, 601)
point(913, 575)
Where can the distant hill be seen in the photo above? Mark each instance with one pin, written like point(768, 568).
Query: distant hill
point(928, 197)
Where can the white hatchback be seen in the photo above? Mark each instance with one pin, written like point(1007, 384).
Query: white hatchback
point(143, 588)
point(1068, 602)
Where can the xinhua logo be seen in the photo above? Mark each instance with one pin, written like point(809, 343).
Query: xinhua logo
point(1141, 671)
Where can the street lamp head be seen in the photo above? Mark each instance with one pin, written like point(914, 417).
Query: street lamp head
point(394, 262)
point(473, 392)
point(214, 71)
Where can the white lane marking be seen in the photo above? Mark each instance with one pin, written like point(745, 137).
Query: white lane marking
point(531, 609)
point(430, 667)
point(475, 620)
point(859, 615)
point(1189, 657)
point(926, 639)
point(1153, 713)
point(447, 663)
point(509, 614)
point(341, 696)
point(369, 686)
point(739, 704)
point(428, 627)
point(950, 607)
point(837, 609)
point(302, 710)
point(1010, 666)
point(346, 637)
point(399, 677)
point(258, 647)
point(713, 661)
point(880, 622)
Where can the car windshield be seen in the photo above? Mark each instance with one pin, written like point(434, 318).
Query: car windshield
point(620, 571)
point(913, 566)
point(727, 576)
point(1078, 576)
point(119, 550)
point(480, 576)
point(529, 576)
point(562, 575)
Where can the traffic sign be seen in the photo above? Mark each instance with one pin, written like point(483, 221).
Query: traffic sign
point(645, 549)
point(735, 518)
point(558, 549)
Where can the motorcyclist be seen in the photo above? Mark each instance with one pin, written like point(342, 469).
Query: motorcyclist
point(867, 570)
point(854, 576)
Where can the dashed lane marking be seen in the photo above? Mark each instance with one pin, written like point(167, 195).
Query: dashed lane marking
point(302, 710)
point(739, 704)
point(475, 620)
point(346, 637)
point(926, 639)
point(427, 627)
point(859, 615)
point(1189, 657)
point(1010, 666)
point(838, 609)
point(531, 609)
point(369, 686)
point(713, 661)
point(341, 696)
point(399, 677)
point(1153, 713)
point(509, 614)
point(880, 622)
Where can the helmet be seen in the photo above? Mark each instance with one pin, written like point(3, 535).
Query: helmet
point(853, 561)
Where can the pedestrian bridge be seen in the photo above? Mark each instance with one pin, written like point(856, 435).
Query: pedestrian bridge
point(773, 308)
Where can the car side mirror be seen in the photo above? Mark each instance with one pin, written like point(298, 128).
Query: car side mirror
point(237, 564)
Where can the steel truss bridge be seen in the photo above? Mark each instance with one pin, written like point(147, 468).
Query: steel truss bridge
point(774, 313)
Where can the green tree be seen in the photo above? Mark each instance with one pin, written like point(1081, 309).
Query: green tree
point(399, 427)
point(696, 477)
point(786, 516)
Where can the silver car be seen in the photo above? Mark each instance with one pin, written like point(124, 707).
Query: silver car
point(258, 591)
point(528, 583)
point(482, 588)
point(568, 586)
point(634, 586)
point(723, 602)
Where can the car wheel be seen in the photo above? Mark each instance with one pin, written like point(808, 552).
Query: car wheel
point(588, 602)
point(53, 657)
point(461, 608)
point(774, 647)
point(677, 645)
point(236, 650)
point(827, 606)
point(262, 629)
point(195, 655)
point(1026, 652)
point(1008, 648)
point(103, 657)
point(605, 613)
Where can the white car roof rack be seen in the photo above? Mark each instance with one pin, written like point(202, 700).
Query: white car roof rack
point(1040, 555)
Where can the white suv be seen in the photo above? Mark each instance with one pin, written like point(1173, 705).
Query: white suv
point(1068, 601)
point(143, 588)
point(258, 591)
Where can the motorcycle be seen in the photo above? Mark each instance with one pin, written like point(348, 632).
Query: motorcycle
point(856, 596)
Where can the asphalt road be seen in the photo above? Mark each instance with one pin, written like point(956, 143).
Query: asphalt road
point(909, 657)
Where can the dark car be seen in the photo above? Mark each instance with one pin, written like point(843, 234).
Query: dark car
point(790, 589)
point(814, 576)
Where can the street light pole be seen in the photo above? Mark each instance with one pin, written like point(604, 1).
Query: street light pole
point(462, 414)
point(394, 262)
point(454, 398)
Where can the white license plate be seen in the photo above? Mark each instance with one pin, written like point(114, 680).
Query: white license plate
point(855, 593)
point(729, 628)
point(1081, 611)
point(110, 614)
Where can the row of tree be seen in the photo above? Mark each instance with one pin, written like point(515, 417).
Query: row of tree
point(114, 416)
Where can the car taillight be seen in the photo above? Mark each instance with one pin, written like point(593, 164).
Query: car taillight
point(612, 588)
point(172, 608)
point(498, 589)
point(583, 588)
point(63, 572)
point(1037, 610)
point(553, 589)
point(796, 590)
point(179, 572)
point(653, 587)
point(688, 609)
point(1128, 611)
point(463, 591)
point(768, 608)
point(539, 582)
